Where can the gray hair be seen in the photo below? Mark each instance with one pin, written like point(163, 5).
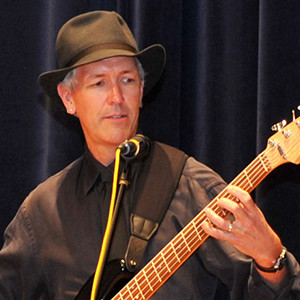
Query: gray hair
point(70, 81)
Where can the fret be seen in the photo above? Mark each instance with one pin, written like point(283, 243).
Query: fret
point(204, 236)
point(137, 284)
point(215, 206)
point(248, 179)
point(121, 297)
point(148, 282)
point(182, 234)
point(263, 164)
point(175, 252)
point(178, 244)
point(128, 289)
point(240, 181)
point(163, 257)
point(223, 212)
point(156, 271)
point(196, 229)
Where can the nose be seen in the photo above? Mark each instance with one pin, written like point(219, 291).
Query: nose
point(116, 94)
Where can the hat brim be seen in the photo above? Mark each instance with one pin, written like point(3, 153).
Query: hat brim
point(152, 59)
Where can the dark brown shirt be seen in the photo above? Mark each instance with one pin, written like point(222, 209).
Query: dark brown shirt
point(52, 245)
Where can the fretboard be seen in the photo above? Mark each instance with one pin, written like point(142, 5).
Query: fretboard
point(184, 244)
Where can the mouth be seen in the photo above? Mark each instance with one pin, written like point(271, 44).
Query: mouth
point(118, 116)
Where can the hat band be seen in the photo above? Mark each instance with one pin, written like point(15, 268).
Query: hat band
point(108, 46)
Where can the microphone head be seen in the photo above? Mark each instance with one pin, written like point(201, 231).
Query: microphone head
point(136, 148)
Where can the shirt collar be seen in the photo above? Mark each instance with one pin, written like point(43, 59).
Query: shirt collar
point(93, 171)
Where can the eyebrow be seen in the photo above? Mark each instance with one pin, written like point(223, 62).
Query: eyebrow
point(99, 75)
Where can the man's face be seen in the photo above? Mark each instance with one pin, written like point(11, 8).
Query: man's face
point(106, 100)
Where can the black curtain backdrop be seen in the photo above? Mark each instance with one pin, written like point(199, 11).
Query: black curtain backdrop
point(232, 72)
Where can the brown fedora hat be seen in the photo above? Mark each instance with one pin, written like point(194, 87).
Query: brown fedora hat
point(97, 35)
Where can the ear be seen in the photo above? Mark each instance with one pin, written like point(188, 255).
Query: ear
point(65, 95)
point(142, 94)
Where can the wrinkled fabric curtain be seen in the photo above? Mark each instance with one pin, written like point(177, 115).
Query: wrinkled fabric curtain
point(232, 72)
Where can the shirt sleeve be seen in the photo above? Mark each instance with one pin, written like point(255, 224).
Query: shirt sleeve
point(20, 276)
point(233, 268)
point(289, 289)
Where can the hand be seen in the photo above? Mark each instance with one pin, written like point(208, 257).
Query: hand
point(249, 232)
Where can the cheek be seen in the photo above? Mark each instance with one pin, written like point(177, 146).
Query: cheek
point(87, 103)
point(136, 119)
point(136, 109)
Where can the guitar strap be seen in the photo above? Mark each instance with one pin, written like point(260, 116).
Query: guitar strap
point(154, 187)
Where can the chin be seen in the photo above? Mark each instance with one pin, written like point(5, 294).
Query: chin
point(118, 138)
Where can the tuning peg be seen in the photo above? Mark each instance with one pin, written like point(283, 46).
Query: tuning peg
point(294, 115)
point(278, 126)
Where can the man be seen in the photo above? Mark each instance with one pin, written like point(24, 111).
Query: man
point(52, 246)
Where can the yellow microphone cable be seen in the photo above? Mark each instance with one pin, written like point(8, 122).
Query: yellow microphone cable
point(108, 230)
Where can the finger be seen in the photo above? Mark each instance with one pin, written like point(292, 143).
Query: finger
point(217, 221)
point(217, 233)
point(231, 203)
point(244, 197)
point(237, 209)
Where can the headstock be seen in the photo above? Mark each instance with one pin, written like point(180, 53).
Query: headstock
point(286, 141)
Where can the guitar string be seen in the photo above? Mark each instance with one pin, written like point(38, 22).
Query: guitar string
point(153, 273)
point(216, 206)
point(141, 289)
point(168, 249)
point(195, 225)
point(171, 267)
point(201, 222)
point(264, 174)
point(168, 257)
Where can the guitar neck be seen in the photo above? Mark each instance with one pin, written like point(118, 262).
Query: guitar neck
point(184, 244)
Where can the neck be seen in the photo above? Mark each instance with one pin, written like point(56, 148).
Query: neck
point(104, 154)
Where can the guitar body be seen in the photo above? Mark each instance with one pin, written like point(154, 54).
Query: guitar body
point(115, 277)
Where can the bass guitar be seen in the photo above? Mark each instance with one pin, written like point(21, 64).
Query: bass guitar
point(283, 147)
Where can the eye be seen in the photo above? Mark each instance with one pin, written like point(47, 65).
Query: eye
point(127, 79)
point(99, 83)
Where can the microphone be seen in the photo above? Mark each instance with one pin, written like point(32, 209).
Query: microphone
point(136, 147)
